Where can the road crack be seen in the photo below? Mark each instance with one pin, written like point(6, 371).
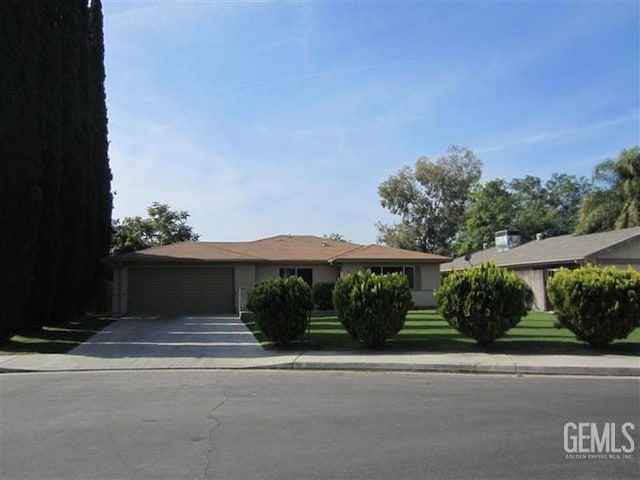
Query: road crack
point(212, 417)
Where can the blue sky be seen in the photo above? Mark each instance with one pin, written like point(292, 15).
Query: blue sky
point(262, 118)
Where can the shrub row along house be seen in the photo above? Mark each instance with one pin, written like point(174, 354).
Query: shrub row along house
point(207, 277)
point(537, 261)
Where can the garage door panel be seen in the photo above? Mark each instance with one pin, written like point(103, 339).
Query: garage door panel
point(154, 289)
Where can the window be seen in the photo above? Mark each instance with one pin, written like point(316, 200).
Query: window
point(408, 271)
point(305, 274)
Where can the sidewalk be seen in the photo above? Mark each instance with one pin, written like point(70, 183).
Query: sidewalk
point(226, 343)
point(605, 365)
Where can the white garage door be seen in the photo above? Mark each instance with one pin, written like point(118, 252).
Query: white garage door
point(171, 289)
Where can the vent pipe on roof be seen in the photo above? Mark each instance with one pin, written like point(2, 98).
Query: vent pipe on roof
point(540, 236)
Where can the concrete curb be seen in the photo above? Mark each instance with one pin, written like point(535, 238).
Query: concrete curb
point(472, 369)
point(302, 365)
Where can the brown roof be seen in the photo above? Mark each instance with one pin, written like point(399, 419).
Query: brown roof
point(553, 250)
point(289, 248)
point(380, 252)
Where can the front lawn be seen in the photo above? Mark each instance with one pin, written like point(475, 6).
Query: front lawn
point(57, 338)
point(426, 331)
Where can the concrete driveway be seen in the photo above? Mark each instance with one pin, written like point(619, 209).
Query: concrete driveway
point(184, 336)
point(221, 341)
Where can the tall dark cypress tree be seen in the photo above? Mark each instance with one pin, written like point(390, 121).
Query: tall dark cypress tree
point(85, 198)
point(55, 195)
point(99, 149)
point(20, 195)
point(47, 264)
point(86, 185)
point(72, 241)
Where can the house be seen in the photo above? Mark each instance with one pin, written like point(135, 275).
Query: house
point(212, 277)
point(537, 260)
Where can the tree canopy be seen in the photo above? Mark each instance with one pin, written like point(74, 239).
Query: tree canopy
point(615, 201)
point(524, 204)
point(430, 199)
point(163, 226)
point(445, 210)
point(491, 208)
point(338, 237)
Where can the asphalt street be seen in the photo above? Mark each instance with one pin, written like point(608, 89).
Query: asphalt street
point(306, 425)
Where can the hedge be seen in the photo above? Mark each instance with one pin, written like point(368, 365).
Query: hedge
point(484, 302)
point(372, 307)
point(597, 304)
point(281, 308)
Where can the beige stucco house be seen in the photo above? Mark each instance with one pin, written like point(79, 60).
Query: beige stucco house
point(537, 260)
point(212, 277)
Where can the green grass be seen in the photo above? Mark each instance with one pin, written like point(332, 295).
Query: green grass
point(426, 331)
point(55, 339)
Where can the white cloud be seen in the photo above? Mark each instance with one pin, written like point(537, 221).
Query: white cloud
point(233, 198)
point(566, 134)
point(157, 161)
point(161, 15)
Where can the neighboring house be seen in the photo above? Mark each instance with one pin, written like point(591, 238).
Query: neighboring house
point(537, 260)
point(209, 277)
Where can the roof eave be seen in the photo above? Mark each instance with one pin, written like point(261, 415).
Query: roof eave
point(389, 260)
point(613, 246)
point(555, 261)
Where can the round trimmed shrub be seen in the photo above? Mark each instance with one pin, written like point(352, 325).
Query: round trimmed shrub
point(322, 295)
point(484, 302)
point(597, 304)
point(372, 307)
point(281, 308)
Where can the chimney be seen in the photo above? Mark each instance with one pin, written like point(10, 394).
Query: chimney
point(507, 239)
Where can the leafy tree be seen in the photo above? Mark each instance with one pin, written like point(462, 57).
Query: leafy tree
point(400, 235)
point(525, 204)
point(565, 195)
point(615, 203)
point(430, 200)
point(336, 237)
point(129, 235)
point(491, 207)
point(163, 226)
point(551, 208)
point(532, 212)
